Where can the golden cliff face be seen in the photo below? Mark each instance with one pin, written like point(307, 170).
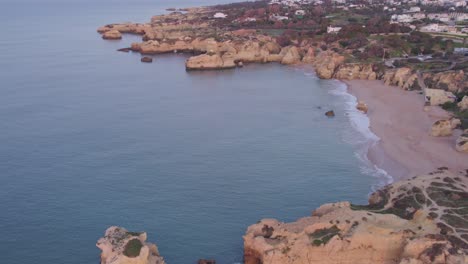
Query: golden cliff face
point(421, 220)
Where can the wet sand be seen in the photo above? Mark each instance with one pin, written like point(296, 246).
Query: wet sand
point(398, 117)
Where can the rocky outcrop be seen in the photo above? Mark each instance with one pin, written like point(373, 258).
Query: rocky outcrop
point(209, 62)
point(361, 106)
point(326, 63)
point(438, 96)
point(462, 142)
point(291, 56)
point(463, 105)
point(402, 77)
point(112, 34)
point(355, 71)
point(452, 81)
point(444, 128)
point(406, 222)
point(120, 246)
point(309, 56)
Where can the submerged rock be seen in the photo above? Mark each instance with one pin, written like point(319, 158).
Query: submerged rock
point(125, 50)
point(206, 261)
point(147, 59)
point(120, 246)
point(405, 222)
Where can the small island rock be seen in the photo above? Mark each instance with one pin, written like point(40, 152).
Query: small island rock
point(120, 246)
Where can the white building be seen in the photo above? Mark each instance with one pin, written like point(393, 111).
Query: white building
point(300, 13)
point(220, 15)
point(404, 18)
point(331, 29)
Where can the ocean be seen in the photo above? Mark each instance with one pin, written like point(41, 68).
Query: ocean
point(91, 137)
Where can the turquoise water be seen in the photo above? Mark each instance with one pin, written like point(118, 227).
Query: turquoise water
point(91, 137)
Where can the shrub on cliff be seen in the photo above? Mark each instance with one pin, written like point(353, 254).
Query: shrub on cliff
point(133, 248)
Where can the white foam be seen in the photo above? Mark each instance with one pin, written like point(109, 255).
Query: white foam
point(365, 139)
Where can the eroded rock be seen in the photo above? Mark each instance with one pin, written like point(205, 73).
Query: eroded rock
point(401, 225)
point(119, 246)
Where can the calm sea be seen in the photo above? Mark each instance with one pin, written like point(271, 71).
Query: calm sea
point(91, 137)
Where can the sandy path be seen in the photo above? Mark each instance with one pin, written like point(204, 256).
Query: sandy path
point(399, 119)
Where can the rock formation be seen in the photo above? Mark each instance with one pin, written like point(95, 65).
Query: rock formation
point(422, 220)
point(355, 71)
point(438, 96)
point(326, 63)
point(452, 81)
point(112, 34)
point(361, 106)
point(330, 113)
point(461, 144)
point(464, 103)
point(120, 246)
point(444, 128)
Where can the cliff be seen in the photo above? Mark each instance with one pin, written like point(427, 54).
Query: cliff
point(120, 246)
point(420, 220)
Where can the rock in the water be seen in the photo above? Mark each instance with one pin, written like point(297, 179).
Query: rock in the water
point(112, 34)
point(147, 59)
point(125, 50)
point(330, 113)
point(206, 261)
point(442, 128)
point(462, 142)
point(361, 106)
point(406, 223)
point(120, 246)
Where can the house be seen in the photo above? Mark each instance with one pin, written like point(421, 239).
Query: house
point(431, 28)
point(220, 15)
point(278, 18)
point(331, 29)
point(300, 13)
point(402, 18)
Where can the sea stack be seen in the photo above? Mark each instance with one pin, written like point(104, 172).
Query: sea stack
point(119, 246)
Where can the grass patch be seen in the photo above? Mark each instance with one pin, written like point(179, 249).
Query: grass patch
point(322, 236)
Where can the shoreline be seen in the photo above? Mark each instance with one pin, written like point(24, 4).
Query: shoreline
point(398, 118)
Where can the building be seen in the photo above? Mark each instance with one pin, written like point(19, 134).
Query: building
point(331, 29)
point(220, 15)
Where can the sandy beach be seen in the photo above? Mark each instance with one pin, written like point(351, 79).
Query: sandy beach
point(396, 116)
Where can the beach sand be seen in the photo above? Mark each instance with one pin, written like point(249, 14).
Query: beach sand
point(398, 118)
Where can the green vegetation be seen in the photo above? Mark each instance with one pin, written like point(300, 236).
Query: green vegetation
point(133, 248)
point(457, 112)
point(322, 236)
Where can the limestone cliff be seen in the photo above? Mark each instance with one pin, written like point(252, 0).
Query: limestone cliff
point(421, 220)
point(120, 246)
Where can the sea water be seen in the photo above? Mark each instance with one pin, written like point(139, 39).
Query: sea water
point(91, 137)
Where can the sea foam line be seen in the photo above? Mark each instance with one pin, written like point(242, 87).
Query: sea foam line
point(360, 122)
